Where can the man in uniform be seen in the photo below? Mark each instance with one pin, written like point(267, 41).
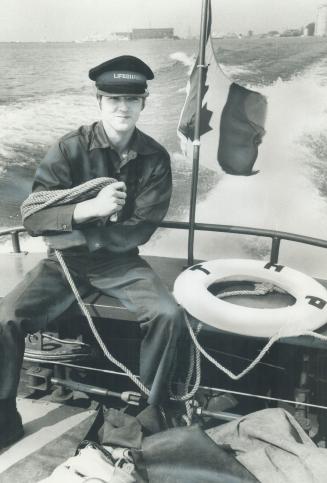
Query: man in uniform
point(97, 251)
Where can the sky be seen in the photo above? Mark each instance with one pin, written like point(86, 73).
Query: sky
point(66, 20)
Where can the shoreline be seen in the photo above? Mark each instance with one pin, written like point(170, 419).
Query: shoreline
point(270, 58)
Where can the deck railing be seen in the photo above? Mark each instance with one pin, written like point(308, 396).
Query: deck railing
point(275, 236)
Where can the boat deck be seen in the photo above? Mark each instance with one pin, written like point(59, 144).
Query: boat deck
point(53, 430)
point(52, 433)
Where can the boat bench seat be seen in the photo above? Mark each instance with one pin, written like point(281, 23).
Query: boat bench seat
point(16, 265)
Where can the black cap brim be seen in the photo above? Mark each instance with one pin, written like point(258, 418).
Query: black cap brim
point(121, 94)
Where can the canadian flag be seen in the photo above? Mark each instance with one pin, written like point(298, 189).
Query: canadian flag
point(231, 121)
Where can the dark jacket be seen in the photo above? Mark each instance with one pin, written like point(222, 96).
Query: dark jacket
point(86, 154)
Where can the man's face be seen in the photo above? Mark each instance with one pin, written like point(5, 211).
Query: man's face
point(121, 113)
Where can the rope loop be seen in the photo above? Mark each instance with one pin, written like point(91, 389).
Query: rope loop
point(38, 200)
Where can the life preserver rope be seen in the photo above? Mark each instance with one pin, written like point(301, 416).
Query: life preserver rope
point(248, 270)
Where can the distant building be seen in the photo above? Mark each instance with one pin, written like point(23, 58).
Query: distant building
point(122, 35)
point(217, 35)
point(309, 29)
point(321, 24)
point(291, 33)
point(162, 33)
point(94, 38)
point(231, 35)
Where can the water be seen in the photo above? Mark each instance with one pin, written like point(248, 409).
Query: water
point(45, 92)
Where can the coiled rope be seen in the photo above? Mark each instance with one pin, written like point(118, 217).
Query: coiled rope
point(39, 200)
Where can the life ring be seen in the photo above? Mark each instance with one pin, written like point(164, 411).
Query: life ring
point(308, 313)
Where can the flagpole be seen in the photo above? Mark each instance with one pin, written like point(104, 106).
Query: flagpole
point(196, 143)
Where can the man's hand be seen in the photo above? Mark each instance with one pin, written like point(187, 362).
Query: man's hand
point(109, 200)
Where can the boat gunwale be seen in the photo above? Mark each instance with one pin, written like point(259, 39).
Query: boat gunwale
point(275, 235)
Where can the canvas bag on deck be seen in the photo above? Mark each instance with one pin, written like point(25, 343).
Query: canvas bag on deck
point(272, 446)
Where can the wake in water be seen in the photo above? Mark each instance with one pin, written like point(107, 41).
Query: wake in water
point(231, 71)
point(283, 196)
point(28, 128)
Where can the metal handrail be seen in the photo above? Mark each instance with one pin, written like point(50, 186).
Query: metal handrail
point(276, 236)
point(14, 232)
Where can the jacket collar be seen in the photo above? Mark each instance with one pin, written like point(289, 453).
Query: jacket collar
point(138, 144)
point(99, 138)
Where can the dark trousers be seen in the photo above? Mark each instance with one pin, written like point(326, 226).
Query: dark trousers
point(44, 294)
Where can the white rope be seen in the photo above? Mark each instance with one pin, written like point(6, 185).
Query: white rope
point(195, 359)
point(96, 334)
point(39, 200)
point(194, 366)
point(314, 334)
point(188, 416)
point(260, 289)
point(109, 356)
point(224, 369)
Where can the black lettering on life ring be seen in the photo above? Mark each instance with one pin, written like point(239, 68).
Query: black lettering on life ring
point(278, 268)
point(316, 301)
point(200, 267)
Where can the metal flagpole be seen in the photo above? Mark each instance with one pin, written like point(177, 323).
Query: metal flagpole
point(196, 143)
